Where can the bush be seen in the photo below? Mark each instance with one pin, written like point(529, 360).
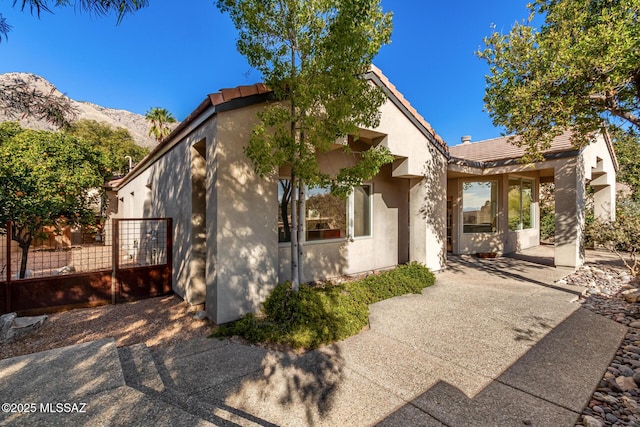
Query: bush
point(314, 316)
point(547, 212)
point(622, 235)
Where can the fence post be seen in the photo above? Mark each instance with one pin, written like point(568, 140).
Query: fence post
point(8, 293)
point(115, 242)
point(170, 251)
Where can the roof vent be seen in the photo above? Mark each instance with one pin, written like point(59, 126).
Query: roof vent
point(466, 139)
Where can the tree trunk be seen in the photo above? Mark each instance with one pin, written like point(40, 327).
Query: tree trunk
point(23, 262)
point(295, 283)
point(284, 209)
point(24, 238)
point(302, 202)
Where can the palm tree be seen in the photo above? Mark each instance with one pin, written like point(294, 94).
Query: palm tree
point(159, 118)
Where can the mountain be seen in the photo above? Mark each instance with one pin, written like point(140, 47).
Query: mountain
point(136, 124)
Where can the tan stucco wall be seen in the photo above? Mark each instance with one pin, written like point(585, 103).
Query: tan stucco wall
point(425, 168)
point(386, 247)
point(601, 173)
point(170, 196)
point(243, 259)
point(409, 208)
point(246, 260)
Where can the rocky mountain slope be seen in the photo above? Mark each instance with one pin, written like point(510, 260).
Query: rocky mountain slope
point(136, 124)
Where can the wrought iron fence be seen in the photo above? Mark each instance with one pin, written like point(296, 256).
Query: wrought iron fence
point(125, 259)
point(56, 252)
point(142, 242)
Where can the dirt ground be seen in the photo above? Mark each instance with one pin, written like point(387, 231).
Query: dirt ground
point(158, 322)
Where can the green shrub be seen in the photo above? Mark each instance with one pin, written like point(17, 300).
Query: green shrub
point(314, 316)
point(622, 236)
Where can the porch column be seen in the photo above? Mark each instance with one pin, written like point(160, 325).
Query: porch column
point(604, 202)
point(427, 221)
point(569, 181)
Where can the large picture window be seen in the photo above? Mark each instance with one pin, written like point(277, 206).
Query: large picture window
point(520, 204)
point(327, 216)
point(480, 207)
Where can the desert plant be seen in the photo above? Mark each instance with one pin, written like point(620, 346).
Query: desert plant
point(621, 236)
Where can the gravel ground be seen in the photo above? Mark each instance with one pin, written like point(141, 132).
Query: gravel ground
point(157, 322)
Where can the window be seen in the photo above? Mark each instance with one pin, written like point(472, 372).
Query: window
point(520, 204)
point(361, 211)
point(479, 206)
point(327, 216)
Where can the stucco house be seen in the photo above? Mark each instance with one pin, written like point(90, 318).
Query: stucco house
point(230, 226)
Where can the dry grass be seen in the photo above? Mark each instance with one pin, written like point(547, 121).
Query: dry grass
point(157, 322)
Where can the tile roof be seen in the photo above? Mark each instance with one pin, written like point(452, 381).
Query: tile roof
point(375, 70)
point(496, 149)
point(228, 94)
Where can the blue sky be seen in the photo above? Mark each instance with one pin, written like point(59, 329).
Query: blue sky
point(173, 56)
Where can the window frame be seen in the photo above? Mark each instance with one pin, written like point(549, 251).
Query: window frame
point(350, 219)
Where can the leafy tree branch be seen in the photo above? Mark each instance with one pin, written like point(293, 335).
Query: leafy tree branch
point(313, 55)
point(581, 68)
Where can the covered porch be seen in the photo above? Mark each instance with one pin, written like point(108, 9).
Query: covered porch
point(493, 199)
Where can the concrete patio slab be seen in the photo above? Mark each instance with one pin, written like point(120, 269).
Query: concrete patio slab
point(409, 415)
point(495, 405)
point(402, 369)
point(566, 364)
point(317, 388)
point(139, 368)
point(183, 367)
point(485, 330)
point(61, 375)
point(191, 347)
point(122, 406)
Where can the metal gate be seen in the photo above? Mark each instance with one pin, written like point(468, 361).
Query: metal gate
point(127, 259)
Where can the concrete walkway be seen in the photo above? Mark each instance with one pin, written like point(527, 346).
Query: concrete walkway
point(493, 343)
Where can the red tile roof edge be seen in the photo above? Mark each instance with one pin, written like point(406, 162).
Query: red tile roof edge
point(229, 94)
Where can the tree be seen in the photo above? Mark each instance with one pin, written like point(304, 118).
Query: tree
point(159, 119)
point(626, 145)
point(113, 145)
point(45, 179)
point(97, 7)
point(17, 98)
point(313, 55)
point(581, 68)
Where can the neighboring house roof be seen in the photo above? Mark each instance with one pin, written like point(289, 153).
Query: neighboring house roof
point(242, 96)
point(502, 149)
